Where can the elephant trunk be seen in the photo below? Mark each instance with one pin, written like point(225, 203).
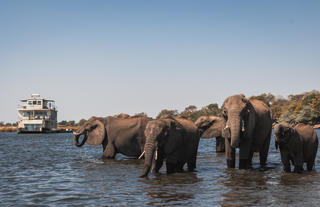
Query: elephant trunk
point(278, 132)
point(235, 131)
point(149, 153)
point(76, 139)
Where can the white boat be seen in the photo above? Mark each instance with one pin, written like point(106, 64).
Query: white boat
point(37, 115)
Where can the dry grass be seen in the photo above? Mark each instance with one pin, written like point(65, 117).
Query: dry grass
point(8, 129)
point(14, 128)
point(68, 128)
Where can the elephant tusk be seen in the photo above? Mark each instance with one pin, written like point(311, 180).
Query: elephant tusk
point(156, 155)
point(142, 155)
point(227, 127)
point(242, 127)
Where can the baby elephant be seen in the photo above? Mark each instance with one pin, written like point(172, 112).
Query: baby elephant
point(297, 144)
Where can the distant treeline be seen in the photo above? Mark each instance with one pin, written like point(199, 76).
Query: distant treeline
point(8, 124)
point(299, 108)
point(71, 123)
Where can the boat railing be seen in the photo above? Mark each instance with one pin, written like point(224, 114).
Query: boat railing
point(34, 118)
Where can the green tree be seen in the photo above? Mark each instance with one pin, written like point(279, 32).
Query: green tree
point(141, 114)
point(187, 113)
point(71, 123)
point(305, 115)
point(278, 107)
point(266, 98)
point(315, 106)
point(300, 108)
point(211, 110)
point(287, 116)
point(168, 112)
point(296, 98)
point(81, 122)
point(63, 123)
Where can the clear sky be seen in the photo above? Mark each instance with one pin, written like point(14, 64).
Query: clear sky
point(106, 57)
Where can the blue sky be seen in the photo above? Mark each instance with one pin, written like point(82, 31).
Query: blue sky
point(106, 57)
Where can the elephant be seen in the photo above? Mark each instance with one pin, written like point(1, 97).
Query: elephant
point(173, 139)
point(297, 144)
point(248, 127)
point(212, 126)
point(116, 135)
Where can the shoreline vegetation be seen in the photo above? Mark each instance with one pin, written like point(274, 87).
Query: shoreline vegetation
point(60, 128)
point(299, 108)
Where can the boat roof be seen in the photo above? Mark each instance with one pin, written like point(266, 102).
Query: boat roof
point(25, 100)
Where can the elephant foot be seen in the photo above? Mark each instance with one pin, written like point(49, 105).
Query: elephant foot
point(243, 164)
point(179, 170)
point(231, 163)
point(287, 170)
point(310, 166)
point(298, 169)
point(107, 157)
point(171, 167)
point(263, 167)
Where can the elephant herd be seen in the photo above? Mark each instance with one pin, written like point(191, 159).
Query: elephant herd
point(245, 124)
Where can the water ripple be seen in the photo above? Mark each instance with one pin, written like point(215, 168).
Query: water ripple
point(48, 170)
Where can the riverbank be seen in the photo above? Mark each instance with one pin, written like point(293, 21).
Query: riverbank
point(60, 128)
point(8, 129)
point(73, 128)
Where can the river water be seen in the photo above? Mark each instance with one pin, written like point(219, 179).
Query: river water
point(48, 170)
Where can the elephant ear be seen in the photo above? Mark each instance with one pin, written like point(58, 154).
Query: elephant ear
point(248, 123)
point(97, 133)
point(215, 128)
point(173, 136)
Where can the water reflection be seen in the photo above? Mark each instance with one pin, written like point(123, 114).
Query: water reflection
point(243, 185)
point(167, 189)
point(49, 170)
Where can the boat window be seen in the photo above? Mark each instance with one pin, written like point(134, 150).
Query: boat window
point(30, 102)
point(34, 102)
point(39, 102)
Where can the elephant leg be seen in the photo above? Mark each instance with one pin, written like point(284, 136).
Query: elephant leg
point(298, 169)
point(245, 150)
point(298, 163)
point(159, 163)
point(192, 162)
point(250, 159)
point(230, 154)
point(220, 145)
point(263, 153)
point(310, 165)
point(171, 167)
point(191, 165)
point(109, 152)
point(179, 167)
point(285, 161)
